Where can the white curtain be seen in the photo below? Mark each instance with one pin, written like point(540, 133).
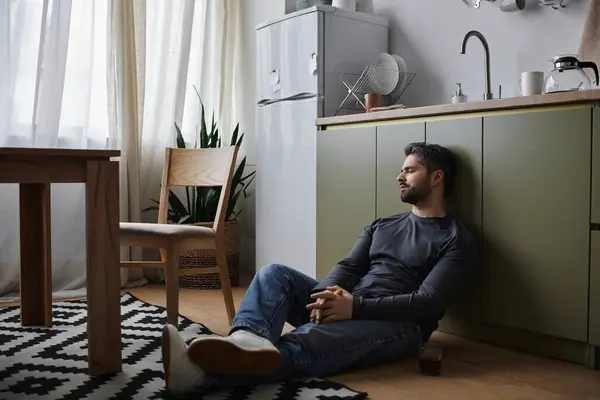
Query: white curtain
point(188, 44)
point(107, 73)
point(52, 94)
point(179, 47)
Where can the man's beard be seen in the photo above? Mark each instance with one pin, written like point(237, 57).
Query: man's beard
point(413, 195)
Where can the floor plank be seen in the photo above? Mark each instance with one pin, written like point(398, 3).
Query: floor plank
point(471, 370)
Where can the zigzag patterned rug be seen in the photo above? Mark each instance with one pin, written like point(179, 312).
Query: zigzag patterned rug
point(51, 363)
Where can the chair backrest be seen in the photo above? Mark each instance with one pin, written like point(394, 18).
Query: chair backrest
point(208, 167)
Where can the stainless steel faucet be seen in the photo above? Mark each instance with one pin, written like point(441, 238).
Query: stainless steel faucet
point(488, 85)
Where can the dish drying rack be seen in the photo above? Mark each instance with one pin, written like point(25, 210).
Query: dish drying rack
point(370, 81)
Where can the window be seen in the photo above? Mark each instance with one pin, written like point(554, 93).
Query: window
point(54, 74)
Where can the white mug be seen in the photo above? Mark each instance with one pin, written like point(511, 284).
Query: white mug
point(346, 4)
point(531, 83)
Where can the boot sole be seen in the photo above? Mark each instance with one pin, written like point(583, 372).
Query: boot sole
point(166, 353)
point(218, 356)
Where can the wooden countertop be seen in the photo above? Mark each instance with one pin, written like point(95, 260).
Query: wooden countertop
point(565, 98)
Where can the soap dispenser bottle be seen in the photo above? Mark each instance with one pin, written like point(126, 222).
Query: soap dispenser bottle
point(459, 97)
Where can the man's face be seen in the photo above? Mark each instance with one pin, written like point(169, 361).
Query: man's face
point(415, 182)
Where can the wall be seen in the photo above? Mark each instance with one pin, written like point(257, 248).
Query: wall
point(253, 12)
point(428, 35)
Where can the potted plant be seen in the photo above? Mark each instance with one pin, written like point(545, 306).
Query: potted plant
point(199, 207)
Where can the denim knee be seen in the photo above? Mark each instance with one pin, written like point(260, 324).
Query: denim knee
point(273, 270)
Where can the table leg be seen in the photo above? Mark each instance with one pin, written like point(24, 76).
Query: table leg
point(36, 261)
point(103, 267)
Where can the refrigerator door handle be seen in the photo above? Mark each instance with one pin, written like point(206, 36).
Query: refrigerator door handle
point(313, 65)
point(297, 96)
point(275, 81)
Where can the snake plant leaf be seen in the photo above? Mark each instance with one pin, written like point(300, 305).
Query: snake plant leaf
point(203, 132)
point(214, 133)
point(232, 202)
point(200, 210)
point(239, 142)
point(214, 139)
point(177, 206)
point(201, 202)
point(187, 197)
point(212, 203)
point(238, 172)
point(180, 141)
point(235, 135)
point(250, 175)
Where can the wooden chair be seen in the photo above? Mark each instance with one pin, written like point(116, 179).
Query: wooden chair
point(211, 167)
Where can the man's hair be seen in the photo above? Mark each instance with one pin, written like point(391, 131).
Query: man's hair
point(435, 157)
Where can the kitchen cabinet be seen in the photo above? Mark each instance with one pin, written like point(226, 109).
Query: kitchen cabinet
point(536, 216)
point(463, 136)
point(594, 315)
point(596, 166)
point(345, 191)
point(594, 305)
point(391, 140)
point(528, 187)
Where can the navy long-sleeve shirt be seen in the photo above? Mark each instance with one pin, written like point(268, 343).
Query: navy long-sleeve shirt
point(406, 267)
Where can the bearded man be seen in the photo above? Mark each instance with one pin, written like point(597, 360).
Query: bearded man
point(378, 305)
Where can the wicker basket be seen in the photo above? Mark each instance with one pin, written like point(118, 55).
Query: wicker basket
point(206, 259)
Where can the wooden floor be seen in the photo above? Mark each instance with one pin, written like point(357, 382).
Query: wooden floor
point(471, 370)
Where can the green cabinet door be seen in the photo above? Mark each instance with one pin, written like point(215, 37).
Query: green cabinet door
point(594, 311)
point(536, 215)
point(463, 136)
point(596, 166)
point(345, 191)
point(594, 337)
point(391, 140)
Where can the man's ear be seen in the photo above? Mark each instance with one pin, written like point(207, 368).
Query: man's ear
point(438, 178)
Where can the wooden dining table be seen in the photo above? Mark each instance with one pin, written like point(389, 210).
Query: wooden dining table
point(35, 169)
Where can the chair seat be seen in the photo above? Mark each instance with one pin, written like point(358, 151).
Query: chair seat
point(164, 230)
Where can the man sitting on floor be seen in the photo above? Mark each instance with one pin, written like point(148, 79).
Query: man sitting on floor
point(378, 305)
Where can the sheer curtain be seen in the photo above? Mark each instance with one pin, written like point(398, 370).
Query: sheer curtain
point(52, 94)
point(107, 73)
point(188, 44)
point(171, 49)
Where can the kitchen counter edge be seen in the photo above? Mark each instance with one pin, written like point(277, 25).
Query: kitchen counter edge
point(553, 99)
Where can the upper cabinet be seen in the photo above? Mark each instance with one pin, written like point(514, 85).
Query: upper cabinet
point(345, 191)
point(463, 136)
point(536, 215)
point(391, 140)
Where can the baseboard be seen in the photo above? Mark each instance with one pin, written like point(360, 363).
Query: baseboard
point(514, 339)
point(593, 357)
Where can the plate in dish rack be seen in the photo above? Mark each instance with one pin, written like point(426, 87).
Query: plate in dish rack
point(387, 75)
point(402, 69)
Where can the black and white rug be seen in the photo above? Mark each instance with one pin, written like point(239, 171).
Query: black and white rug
point(51, 363)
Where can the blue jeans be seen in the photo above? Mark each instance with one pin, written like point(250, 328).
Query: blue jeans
point(279, 294)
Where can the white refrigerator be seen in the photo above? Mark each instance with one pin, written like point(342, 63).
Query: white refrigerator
point(298, 59)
